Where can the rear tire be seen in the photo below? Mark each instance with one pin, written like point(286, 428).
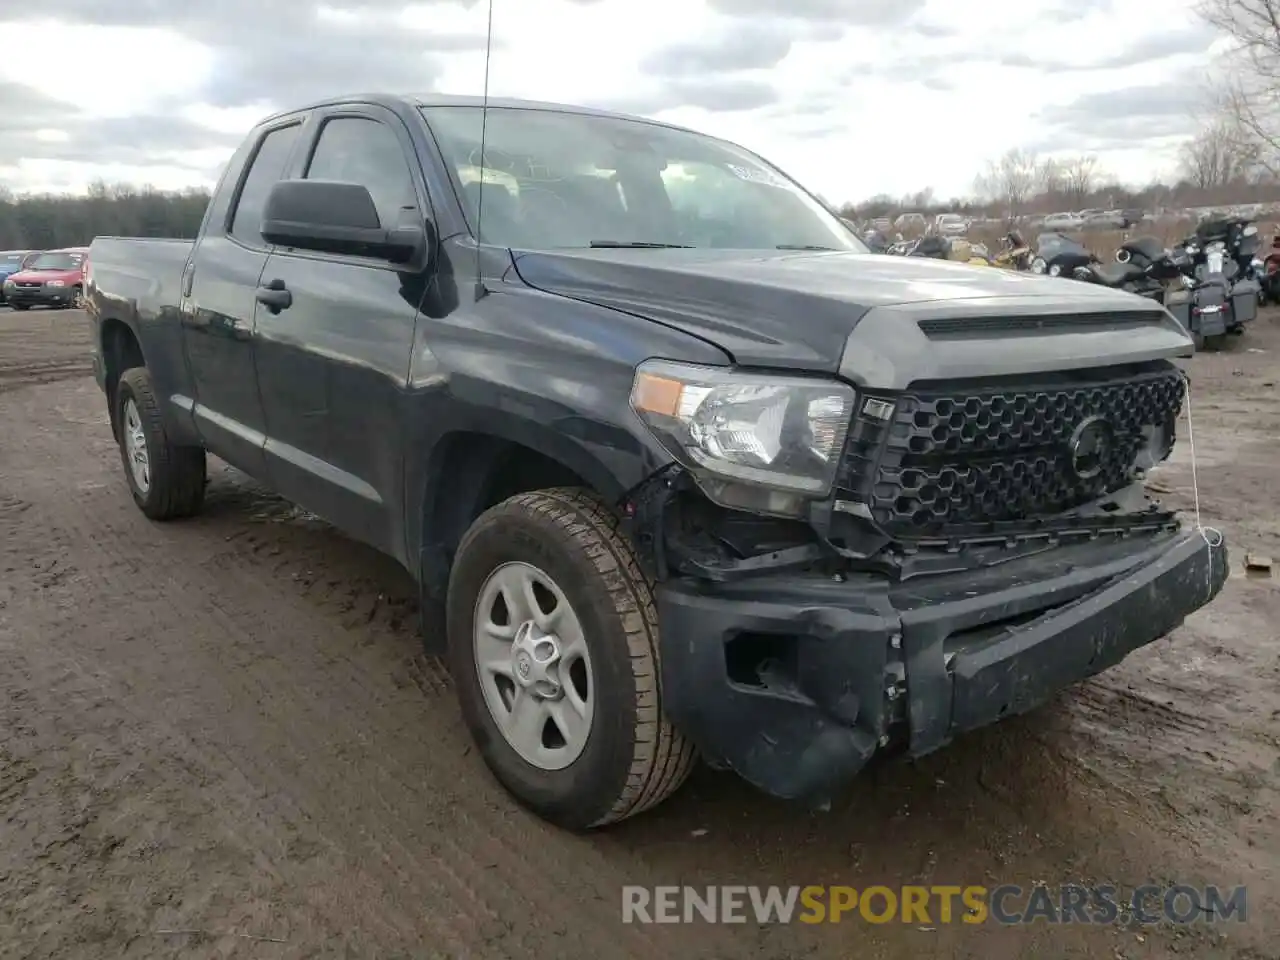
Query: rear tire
point(22, 306)
point(167, 481)
point(630, 757)
point(1209, 344)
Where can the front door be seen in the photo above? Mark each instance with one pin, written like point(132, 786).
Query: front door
point(218, 311)
point(334, 363)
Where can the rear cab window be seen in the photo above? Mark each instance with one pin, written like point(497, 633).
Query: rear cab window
point(265, 169)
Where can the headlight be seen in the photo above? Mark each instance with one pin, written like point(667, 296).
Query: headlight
point(56, 283)
point(757, 442)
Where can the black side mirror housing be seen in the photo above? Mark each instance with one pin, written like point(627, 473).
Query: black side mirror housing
point(329, 216)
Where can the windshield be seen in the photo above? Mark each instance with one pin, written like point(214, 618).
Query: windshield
point(57, 261)
point(554, 179)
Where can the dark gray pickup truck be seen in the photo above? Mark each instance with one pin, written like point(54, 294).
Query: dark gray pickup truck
point(681, 469)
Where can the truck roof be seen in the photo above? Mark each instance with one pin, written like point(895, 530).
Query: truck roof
point(413, 101)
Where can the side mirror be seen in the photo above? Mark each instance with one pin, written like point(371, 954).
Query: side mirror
point(329, 216)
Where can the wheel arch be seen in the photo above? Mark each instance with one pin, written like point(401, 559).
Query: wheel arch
point(121, 349)
point(470, 470)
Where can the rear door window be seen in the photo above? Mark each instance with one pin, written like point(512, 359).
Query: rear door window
point(264, 170)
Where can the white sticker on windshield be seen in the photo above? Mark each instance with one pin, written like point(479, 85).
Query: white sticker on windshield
point(756, 175)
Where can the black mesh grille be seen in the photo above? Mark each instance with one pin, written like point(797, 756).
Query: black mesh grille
point(962, 456)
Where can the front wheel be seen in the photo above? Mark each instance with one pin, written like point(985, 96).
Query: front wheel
point(22, 306)
point(553, 645)
point(167, 481)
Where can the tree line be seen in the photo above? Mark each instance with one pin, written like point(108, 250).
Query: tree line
point(1234, 158)
point(51, 221)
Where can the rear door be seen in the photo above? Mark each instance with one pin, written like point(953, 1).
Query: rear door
point(333, 365)
point(219, 288)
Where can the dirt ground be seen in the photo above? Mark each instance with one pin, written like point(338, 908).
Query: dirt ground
point(219, 738)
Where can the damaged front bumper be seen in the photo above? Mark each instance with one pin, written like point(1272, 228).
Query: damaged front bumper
point(795, 680)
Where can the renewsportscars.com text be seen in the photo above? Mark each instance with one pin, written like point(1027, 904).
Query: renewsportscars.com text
point(1005, 904)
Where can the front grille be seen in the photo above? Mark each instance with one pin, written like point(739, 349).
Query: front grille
point(961, 457)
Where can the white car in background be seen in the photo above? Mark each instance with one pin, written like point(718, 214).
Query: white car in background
point(1062, 221)
point(951, 225)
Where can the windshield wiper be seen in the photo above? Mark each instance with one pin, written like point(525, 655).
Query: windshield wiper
point(640, 244)
point(802, 246)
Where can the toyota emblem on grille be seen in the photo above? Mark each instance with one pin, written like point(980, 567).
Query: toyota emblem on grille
point(1089, 446)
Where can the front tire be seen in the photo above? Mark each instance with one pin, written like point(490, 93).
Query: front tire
point(22, 306)
point(167, 481)
point(554, 650)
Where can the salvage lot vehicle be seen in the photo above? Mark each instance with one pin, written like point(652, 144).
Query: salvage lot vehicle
point(54, 278)
point(651, 510)
point(12, 261)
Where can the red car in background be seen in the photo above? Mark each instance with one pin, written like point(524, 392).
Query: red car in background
point(54, 278)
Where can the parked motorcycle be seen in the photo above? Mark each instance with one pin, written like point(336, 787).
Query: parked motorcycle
point(937, 247)
point(1221, 296)
point(1014, 253)
point(1269, 274)
point(876, 241)
point(1058, 255)
point(1162, 271)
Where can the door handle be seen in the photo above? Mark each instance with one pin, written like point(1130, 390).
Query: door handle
point(275, 296)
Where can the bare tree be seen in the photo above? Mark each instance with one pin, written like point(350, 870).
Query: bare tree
point(1218, 156)
point(1079, 176)
point(1009, 180)
point(920, 200)
point(1050, 178)
point(1251, 96)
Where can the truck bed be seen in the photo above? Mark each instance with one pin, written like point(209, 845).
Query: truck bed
point(138, 282)
point(146, 271)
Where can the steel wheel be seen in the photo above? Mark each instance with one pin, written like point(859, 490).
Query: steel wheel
point(534, 666)
point(135, 446)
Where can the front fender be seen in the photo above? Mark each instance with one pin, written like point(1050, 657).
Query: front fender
point(456, 481)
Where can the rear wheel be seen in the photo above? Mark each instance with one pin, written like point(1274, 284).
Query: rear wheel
point(1210, 344)
point(22, 306)
point(167, 481)
point(553, 645)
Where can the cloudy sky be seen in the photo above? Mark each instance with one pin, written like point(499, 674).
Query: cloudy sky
point(853, 97)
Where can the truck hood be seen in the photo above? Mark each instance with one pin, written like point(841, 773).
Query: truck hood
point(803, 310)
